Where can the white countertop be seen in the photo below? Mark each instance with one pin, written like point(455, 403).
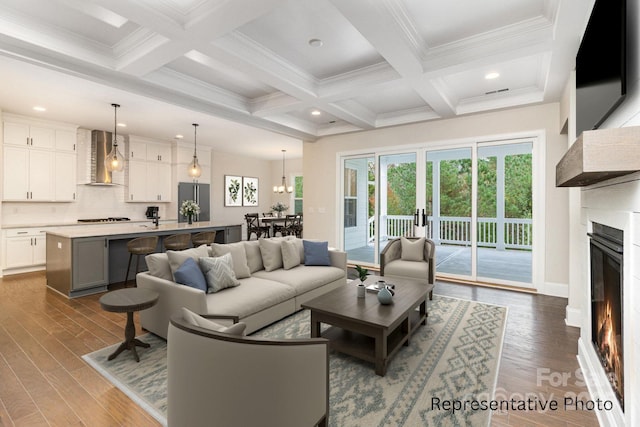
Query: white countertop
point(116, 229)
point(81, 224)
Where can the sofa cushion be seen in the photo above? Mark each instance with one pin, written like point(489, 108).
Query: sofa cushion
point(238, 255)
point(176, 258)
point(255, 294)
point(158, 265)
point(271, 253)
point(254, 256)
point(189, 274)
point(412, 250)
point(299, 244)
point(316, 253)
point(413, 269)
point(219, 272)
point(303, 278)
point(196, 320)
point(290, 254)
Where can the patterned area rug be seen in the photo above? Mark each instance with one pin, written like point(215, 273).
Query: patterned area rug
point(454, 358)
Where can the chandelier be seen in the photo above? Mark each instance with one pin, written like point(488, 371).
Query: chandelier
point(283, 185)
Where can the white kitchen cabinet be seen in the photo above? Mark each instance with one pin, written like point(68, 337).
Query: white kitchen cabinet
point(24, 134)
point(159, 153)
point(28, 174)
point(33, 170)
point(149, 171)
point(137, 150)
point(65, 173)
point(137, 188)
point(24, 247)
point(66, 140)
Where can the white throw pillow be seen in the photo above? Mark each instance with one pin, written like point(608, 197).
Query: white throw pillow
point(290, 254)
point(158, 265)
point(219, 272)
point(271, 253)
point(177, 258)
point(196, 320)
point(299, 245)
point(238, 255)
point(254, 256)
point(412, 250)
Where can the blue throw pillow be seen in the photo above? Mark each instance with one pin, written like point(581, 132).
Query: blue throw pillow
point(189, 274)
point(316, 253)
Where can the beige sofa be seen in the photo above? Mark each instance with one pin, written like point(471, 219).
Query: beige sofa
point(261, 298)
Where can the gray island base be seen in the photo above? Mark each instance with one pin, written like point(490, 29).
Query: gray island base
point(85, 260)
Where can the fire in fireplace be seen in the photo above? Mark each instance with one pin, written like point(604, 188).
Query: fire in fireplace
point(606, 303)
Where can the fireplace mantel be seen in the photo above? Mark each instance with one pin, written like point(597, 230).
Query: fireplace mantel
point(598, 155)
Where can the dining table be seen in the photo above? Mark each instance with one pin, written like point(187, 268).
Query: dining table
point(270, 221)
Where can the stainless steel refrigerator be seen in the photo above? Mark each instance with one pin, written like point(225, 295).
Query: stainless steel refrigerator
point(199, 193)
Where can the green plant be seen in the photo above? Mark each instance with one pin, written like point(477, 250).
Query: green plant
point(279, 207)
point(362, 272)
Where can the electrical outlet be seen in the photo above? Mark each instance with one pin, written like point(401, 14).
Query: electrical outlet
point(59, 245)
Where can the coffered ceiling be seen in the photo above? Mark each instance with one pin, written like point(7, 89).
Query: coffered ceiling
point(271, 64)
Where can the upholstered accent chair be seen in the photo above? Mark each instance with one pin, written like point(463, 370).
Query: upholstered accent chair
point(217, 378)
point(415, 263)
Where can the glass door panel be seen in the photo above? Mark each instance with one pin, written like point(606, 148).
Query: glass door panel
point(359, 208)
point(449, 209)
point(397, 196)
point(505, 212)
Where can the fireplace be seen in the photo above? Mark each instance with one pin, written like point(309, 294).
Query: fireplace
point(606, 248)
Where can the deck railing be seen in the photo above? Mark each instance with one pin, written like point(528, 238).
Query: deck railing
point(517, 233)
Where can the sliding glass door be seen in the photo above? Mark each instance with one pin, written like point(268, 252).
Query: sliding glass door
point(475, 201)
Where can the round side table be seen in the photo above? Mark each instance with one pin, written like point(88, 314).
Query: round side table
point(129, 300)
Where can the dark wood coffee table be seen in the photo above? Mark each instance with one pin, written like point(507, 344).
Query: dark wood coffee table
point(366, 329)
point(129, 300)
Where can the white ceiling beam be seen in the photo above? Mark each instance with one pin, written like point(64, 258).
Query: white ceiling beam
point(212, 23)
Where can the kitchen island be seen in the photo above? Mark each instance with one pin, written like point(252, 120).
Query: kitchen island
point(85, 260)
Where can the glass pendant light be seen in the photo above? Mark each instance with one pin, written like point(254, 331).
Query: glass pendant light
point(283, 185)
point(114, 162)
point(194, 167)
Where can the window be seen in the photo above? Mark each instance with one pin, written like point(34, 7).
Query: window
point(350, 197)
point(297, 194)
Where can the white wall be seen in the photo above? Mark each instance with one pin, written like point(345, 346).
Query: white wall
point(320, 169)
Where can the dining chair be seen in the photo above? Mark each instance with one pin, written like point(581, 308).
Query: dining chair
point(253, 226)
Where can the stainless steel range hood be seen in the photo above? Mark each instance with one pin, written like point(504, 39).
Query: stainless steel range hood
point(100, 149)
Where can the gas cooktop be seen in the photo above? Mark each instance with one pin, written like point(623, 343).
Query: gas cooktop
point(110, 219)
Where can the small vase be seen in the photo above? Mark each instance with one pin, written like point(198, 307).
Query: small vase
point(361, 290)
point(385, 296)
point(190, 217)
point(279, 214)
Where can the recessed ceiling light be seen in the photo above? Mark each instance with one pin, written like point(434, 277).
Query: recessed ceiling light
point(315, 43)
point(39, 108)
point(316, 112)
point(122, 125)
point(179, 136)
point(492, 75)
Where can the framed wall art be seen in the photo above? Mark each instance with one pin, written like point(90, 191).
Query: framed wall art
point(232, 190)
point(249, 191)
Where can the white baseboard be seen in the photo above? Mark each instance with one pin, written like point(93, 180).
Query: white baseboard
point(573, 317)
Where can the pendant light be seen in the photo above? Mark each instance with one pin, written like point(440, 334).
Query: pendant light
point(114, 162)
point(283, 185)
point(194, 167)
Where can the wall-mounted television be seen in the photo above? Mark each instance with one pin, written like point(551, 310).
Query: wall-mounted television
point(601, 65)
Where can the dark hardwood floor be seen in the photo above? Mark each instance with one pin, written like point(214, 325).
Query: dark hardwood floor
point(44, 381)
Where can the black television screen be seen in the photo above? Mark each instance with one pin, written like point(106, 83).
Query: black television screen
point(601, 65)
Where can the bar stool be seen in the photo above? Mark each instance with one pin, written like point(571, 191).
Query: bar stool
point(139, 246)
point(203, 238)
point(177, 242)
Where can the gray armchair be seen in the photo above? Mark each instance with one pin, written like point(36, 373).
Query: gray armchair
point(215, 378)
point(393, 264)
